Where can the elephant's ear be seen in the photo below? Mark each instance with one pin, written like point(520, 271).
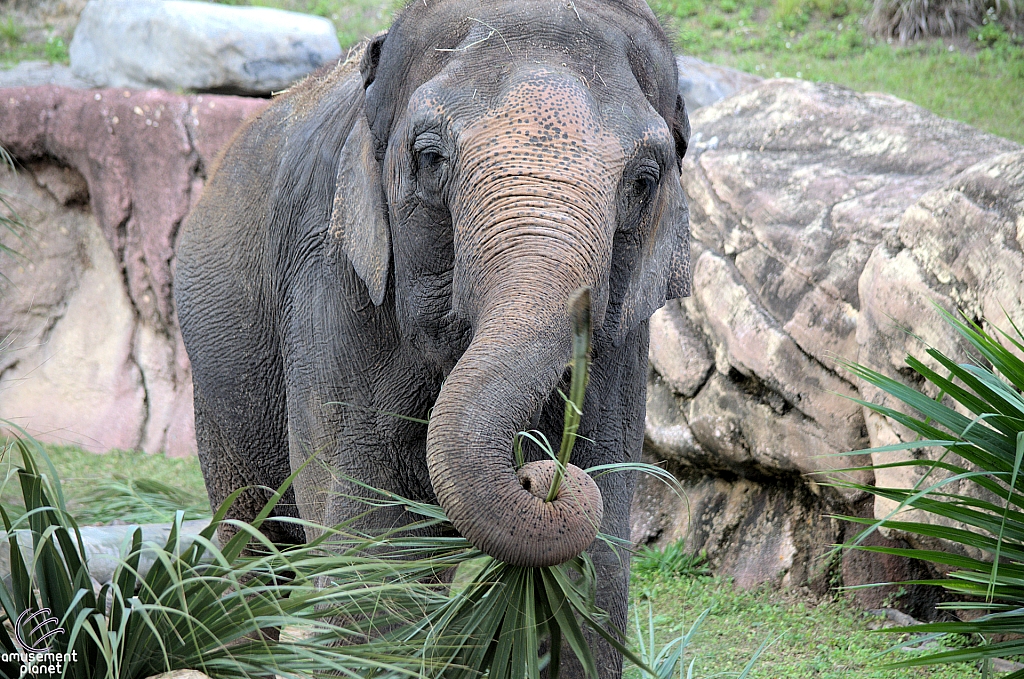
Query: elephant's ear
point(664, 270)
point(359, 215)
point(679, 264)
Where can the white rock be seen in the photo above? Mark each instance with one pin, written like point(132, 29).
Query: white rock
point(105, 546)
point(180, 44)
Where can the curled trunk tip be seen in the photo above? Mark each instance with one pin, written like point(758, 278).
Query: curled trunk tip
point(566, 526)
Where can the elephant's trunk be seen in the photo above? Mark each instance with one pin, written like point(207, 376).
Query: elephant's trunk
point(527, 236)
point(488, 397)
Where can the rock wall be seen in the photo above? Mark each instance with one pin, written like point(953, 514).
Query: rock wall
point(824, 221)
point(93, 355)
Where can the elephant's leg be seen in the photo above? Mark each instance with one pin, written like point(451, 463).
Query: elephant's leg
point(239, 395)
point(347, 376)
point(239, 452)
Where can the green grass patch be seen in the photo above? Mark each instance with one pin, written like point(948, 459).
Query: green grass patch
point(979, 82)
point(124, 485)
point(829, 639)
point(14, 47)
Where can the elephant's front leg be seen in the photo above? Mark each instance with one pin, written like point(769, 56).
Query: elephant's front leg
point(347, 377)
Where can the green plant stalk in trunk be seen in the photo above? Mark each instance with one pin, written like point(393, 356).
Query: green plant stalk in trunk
point(579, 315)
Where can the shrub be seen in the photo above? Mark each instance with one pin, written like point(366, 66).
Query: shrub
point(978, 416)
point(912, 19)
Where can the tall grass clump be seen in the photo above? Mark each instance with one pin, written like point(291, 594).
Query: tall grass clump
point(907, 20)
point(978, 418)
point(673, 560)
point(197, 606)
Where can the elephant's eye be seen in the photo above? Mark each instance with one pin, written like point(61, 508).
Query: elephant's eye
point(428, 160)
point(644, 183)
point(431, 166)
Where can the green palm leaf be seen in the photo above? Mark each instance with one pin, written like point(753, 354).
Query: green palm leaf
point(986, 509)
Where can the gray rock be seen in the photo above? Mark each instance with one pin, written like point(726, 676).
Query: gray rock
point(678, 352)
point(823, 221)
point(35, 73)
point(105, 545)
point(756, 532)
point(703, 84)
point(185, 45)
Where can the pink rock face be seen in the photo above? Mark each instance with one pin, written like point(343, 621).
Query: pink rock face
point(138, 160)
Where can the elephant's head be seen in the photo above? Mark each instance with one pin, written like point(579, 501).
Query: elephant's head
point(511, 153)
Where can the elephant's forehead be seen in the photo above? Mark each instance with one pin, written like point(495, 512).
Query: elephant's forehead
point(546, 114)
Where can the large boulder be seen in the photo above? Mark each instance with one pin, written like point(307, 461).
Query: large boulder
point(92, 353)
point(823, 221)
point(198, 46)
point(702, 83)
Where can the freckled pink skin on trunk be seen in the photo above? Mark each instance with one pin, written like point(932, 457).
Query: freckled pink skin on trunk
point(533, 218)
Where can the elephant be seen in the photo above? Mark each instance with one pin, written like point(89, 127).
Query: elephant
point(399, 234)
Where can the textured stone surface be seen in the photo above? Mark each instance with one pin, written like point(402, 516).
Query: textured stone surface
point(95, 357)
point(824, 220)
point(959, 247)
point(703, 84)
point(199, 46)
point(34, 73)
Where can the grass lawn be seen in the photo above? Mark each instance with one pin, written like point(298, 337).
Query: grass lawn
point(978, 78)
point(830, 639)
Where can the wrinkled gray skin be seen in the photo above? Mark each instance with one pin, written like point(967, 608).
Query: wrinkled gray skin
point(403, 233)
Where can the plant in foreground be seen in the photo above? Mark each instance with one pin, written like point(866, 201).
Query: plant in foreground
point(989, 441)
point(198, 606)
point(353, 605)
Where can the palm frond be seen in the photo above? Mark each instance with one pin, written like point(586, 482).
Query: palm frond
point(979, 502)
